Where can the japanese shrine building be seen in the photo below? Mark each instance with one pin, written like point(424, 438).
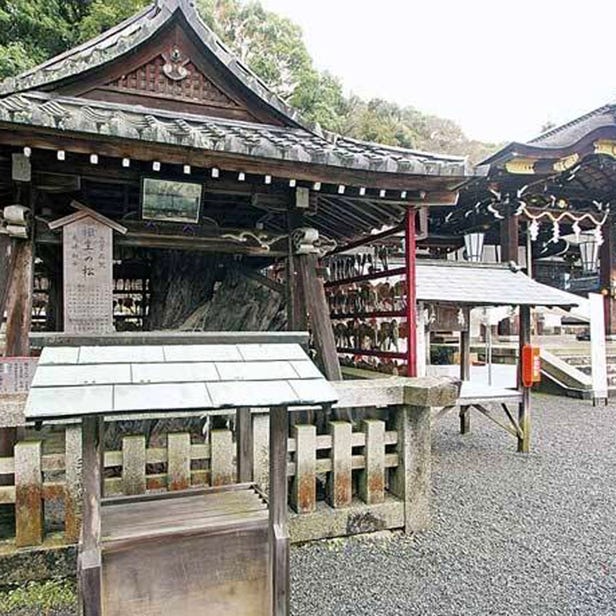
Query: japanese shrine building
point(155, 131)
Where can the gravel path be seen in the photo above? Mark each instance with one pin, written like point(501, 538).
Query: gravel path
point(512, 534)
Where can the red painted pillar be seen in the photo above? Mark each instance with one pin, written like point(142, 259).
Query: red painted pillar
point(411, 293)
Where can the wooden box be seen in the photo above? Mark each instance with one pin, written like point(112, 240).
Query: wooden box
point(197, 552)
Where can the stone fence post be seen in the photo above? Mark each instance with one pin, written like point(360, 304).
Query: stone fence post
point(411, 480)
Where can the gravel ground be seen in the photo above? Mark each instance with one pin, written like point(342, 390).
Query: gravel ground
point(511, 535)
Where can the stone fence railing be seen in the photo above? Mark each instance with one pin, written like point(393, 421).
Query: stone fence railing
point(369, 475)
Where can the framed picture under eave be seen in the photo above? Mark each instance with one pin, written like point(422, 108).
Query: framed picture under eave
point(170, 200)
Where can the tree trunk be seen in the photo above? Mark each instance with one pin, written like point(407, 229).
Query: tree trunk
point(180, 282)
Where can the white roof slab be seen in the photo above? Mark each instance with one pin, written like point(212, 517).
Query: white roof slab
point(108, 380)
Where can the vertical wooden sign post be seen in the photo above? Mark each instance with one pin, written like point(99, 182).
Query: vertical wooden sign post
point(87, 246)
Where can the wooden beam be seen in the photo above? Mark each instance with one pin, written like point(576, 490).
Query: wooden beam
point(411, 293)
point(318, 309)
point(465, 369)
point(278, 497)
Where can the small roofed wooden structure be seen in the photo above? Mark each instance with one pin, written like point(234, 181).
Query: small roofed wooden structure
point(215, 551)
point(464, 286)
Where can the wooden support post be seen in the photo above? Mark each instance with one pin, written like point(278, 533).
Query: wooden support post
point(133, 465)
point(411, 293)
point(221, 461)
point(90, 548)
point(29, 518)
point(19, 301)
point(73, 483)
point(178, 461)
point(279, 534)
point(465, 370)
point(6, 271)
point(607, 274)
point(296, 301)
point(320, 322)
point(260, 451)
point(340, 486)
point(509, 252)
point(524, 416)
point(411, 479)
point(18, 304)
point(372, 477)
point(244, 444)
point(304, 492)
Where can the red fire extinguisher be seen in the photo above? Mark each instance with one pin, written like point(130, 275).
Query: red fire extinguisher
point(531, 365)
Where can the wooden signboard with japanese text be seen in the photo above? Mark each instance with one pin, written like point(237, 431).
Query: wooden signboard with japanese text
point(88, 277)
point(16, 374)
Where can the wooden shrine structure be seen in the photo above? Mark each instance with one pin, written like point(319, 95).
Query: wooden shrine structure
point(457, 288)
point(216, 551)
point(156, 131)
point(542, 199)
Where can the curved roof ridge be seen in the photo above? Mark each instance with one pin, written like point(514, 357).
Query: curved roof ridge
point(563, 127)
point(120, 39)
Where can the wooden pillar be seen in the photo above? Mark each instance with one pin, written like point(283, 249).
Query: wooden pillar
point(607, 275)
point(90, 548)
point(278, 527)
point(244, 444)
point(465, 370)
point(524, 414)
point(509, 252)
point(296, 301)
point(19, 300)
point(318, 308)
point(411, 293)
point(6, 252)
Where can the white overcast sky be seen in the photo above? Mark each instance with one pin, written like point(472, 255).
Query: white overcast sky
point(500, 68)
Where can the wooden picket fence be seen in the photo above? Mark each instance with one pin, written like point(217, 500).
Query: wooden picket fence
point(345, 458)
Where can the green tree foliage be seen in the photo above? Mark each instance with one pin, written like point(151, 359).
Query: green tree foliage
point(33, 30)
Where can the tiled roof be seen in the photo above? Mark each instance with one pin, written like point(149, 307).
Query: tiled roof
point(106, 380)
point(484, 285)
point(131, 33)
point(76, 115)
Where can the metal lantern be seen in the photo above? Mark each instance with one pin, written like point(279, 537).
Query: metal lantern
point(589, 253)
point(473, 244)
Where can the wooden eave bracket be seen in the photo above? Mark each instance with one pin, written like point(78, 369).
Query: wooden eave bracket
point(83, 211)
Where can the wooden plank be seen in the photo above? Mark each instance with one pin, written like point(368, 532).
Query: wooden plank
point(221, 462)
point(89, 563)
point(73, 496)
point(7, 466)
point(304, 492)
point(278, 527)
point(340, 484)
point(178, 461)
point(133, 464)
point(318, 309)
point(29, 516)
point(7, 495)
point(244, 444)
point(484, 411)
point(54, 339)
point(372, 478)
point(524, 409)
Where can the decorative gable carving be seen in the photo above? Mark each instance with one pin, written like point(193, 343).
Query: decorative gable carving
point(172, 75)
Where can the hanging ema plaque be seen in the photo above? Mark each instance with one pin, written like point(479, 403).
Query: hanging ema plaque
point(88, 277)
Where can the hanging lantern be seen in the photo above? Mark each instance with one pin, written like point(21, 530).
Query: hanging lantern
point(589, 252)
point(473, 244)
